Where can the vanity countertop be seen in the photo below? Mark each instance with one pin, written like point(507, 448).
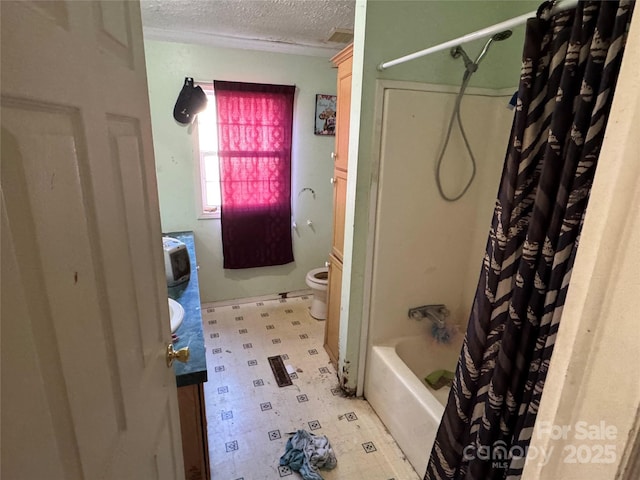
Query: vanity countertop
point(190, 332)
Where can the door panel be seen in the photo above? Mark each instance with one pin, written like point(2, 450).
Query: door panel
point(44, 194)
point(332, 325)
point(41, 409)
point(125, 148)
point(343, 114)
point(85, 389)
point(339, 212)
point(113, 26)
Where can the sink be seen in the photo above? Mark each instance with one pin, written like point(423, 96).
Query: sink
point(176, 314)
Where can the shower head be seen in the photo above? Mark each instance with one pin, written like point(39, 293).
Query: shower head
point(470, 65)
point(498, 37)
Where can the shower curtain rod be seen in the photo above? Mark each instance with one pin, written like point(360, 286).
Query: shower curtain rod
point(485, 32)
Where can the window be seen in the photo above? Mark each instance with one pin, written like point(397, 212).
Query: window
point(207, 156)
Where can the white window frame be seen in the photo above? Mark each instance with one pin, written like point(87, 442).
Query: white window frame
point(204, 210)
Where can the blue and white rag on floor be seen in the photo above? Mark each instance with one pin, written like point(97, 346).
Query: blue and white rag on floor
point(305, 453)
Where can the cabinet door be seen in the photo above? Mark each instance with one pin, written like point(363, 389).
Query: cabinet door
point(193, 426)
point(339, 208)
point(342, 115)
point(332, 325)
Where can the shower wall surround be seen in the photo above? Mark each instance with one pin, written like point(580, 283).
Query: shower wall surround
point(385, 30)
point(427, 250)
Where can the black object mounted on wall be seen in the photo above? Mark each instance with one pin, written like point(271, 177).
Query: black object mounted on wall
point(191, 101)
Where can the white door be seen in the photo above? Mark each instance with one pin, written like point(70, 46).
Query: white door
point(86, 393)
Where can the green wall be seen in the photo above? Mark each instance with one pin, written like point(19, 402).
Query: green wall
point(167, 65)
point(385, 30)
point(395, 28)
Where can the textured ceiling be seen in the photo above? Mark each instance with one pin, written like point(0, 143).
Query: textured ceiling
point(297, 23)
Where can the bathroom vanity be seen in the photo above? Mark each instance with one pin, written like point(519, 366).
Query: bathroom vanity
point(191, 376)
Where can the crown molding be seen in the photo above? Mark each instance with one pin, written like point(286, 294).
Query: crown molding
point(213, 40)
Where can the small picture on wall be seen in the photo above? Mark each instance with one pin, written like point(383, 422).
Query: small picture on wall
point(325, 115)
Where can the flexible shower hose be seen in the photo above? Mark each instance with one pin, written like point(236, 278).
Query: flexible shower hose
point(456, 114)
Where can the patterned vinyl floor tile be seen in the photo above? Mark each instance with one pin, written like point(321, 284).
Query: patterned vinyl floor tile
point(250, 418)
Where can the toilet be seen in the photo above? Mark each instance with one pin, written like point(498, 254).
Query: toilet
point(317, 280)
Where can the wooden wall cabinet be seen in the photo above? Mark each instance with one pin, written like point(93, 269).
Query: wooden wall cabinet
point(344, 62)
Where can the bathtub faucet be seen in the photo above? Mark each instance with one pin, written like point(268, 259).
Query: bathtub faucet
point(436, 313)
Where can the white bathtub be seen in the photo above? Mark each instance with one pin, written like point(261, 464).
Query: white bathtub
point(395, 388)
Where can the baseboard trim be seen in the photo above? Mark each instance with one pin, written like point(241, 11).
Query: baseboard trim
point(263, 298)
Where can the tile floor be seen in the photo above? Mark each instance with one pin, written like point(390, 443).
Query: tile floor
point(250, 418)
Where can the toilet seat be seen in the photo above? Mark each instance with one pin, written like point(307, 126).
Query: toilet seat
point(318, 276)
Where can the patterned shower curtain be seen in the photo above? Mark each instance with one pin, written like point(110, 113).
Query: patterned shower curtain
point(570, 67)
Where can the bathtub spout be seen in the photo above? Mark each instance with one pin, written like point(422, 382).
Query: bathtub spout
point(436, 313)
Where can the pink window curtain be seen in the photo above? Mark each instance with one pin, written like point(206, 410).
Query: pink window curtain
point(254, 147)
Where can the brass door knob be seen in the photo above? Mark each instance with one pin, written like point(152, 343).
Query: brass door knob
point(181, 355)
